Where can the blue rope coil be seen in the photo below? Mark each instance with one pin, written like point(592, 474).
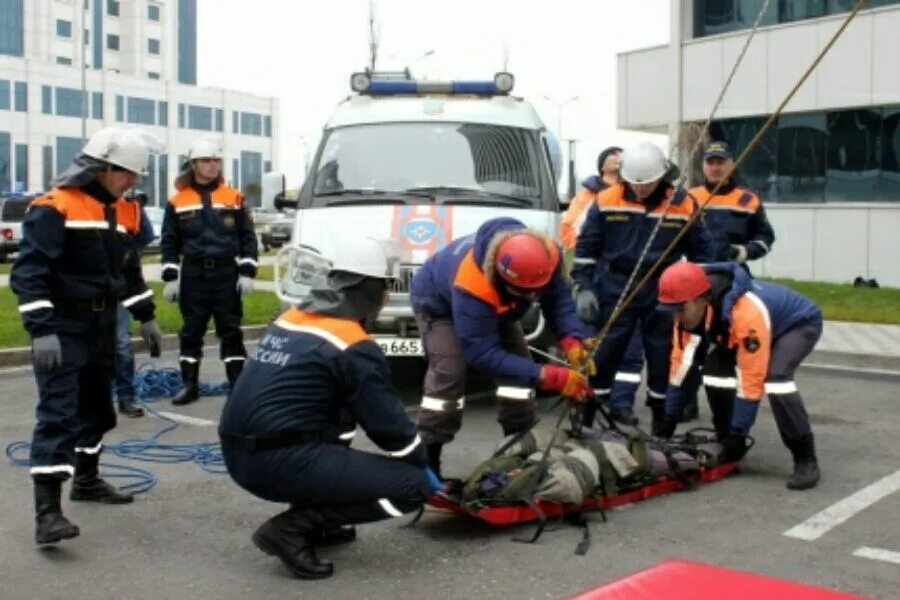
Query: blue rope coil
point(150, 384)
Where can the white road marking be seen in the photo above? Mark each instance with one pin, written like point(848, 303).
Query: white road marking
point(819, 524)
point(878, 554)
point(826, 367)
point(186, 419)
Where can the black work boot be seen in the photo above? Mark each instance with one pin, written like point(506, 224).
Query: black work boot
point(52, 526)
point(433, 451)
point(658, 424)
point(806, 467)
point(289, 536)
point(333, 536)
point(128, 408)
point(233, 368)
point(623, 415)
point(190, 374)
point(87, 485)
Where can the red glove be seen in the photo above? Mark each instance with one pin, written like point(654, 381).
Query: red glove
point(569, 383)
point(578, 355)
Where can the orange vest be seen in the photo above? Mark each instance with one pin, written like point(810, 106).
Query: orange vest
point(472, 280)
point(738, 200)
point(80, 210)
point(222, 198)
point(341, 333)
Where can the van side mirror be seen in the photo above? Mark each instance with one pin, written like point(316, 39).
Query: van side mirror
point(273, 193)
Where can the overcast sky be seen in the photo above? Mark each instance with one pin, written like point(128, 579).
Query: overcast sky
point(303, 52)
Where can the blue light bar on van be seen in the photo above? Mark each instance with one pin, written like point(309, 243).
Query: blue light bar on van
point(364, 84)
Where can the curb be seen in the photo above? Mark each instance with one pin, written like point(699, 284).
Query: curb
point(17, 357)
point(854, 361)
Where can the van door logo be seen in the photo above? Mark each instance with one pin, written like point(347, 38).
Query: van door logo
point(422, 229)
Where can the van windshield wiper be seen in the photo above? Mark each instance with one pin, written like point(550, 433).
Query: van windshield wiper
point(371, 196)
point(478, 196)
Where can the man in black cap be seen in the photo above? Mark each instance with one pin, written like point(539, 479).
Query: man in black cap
point(607, 175)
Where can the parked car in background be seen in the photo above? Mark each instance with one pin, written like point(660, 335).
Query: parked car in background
point(12, 213)
point(277, 233)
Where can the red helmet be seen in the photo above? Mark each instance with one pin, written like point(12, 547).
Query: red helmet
point(527, 261)
point(681, 282)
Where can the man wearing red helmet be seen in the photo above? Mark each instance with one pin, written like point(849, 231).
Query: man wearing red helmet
point(749, 336)
point(468, 300)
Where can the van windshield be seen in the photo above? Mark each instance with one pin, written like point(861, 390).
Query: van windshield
point(451, 160)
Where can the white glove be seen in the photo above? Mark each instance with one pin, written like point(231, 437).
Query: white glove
point(244, 285)
point(170, 291)
point(738, 254)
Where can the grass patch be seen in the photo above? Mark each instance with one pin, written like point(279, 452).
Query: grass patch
point(843, 302)
point(259, 308)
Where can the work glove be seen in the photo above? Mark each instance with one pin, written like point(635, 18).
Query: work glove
point(734, 447)
point(434, 482)
point(244, 285)
point(578, 355)
point(587, 306)
point(170, 291)
point(567, 382)
point(152, 335)
point(46, 352)
point(738, 254)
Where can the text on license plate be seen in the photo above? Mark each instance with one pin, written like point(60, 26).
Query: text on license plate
point(394, 346)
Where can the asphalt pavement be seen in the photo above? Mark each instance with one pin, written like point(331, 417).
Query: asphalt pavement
point(189, 537)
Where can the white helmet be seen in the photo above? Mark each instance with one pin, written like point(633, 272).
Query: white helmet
point(643, 163)
point(125, 148)
point(368, 256)
point(204, 148)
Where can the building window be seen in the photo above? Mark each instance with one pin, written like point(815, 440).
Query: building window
point(112, 8)
point(69, 102)
point(200, 117)
point(181, 116)
point(5, 160)
point(67, 148)
point(12, 27)
point(21, 182)
point(141, 111)
point(220, 119)
point(267, 166)
point(87, 37)
point(187, 41)
point(153, 75)
point(853, 155)
point(162, 114)
point(267, 126)
point(163, 180)
point(97, 105)
point(4, 94)
point(235, 173)
point(235, 120)
point(251, 177)
point(46, 99)
point(63, 28)
point(153, 12)
point(153, 46)
point(63, 60)
point(112, 42)
point(120, 108)
point(251, 123)
point(20, 96)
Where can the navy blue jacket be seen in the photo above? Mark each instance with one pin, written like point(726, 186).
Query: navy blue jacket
point(735, 217)
point(476, 322)
point(308, 374)
point(617, 229)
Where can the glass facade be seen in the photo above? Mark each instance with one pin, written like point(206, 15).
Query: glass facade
point(69, 102)
point(120, 108)
point(251, 123)
point(47, 162)
point(200, 117)
point(251, 177)
point(12, 27)
point(4, 94)
point(46, 99)
point(835, 156)
point(163, 114)
point(97, 16)
point(712, 17)
point(187, 41)
point(97, 105)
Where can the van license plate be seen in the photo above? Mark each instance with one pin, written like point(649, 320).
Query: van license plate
point(395, 346)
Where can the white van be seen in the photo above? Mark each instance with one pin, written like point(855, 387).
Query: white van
point(420, 163)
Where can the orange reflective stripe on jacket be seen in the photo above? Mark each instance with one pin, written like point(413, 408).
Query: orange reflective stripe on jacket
point(751, 338)
point(341, 333)
point(613, 200)
point(574, 217)
point(223, 197)
point(470, 279)
point(684, 351)
point(737, 200)
point(82, 211)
